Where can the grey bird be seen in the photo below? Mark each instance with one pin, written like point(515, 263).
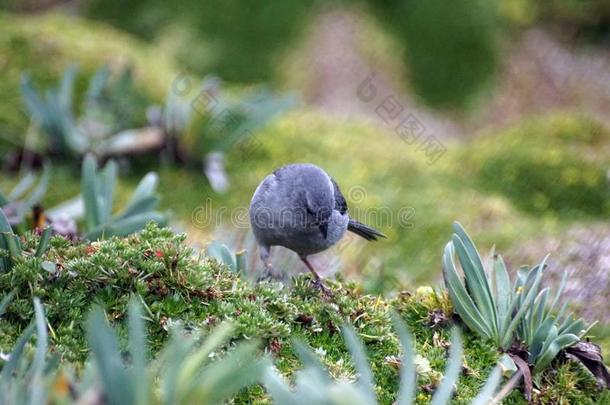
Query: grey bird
point(300, 207)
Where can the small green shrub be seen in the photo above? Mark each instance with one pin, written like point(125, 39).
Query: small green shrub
point(189, 369)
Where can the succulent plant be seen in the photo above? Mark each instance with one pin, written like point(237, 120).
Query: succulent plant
point(23, 381)
point(207, 122)
point(98, 191)
point(96, 203)
point(235, 261)
point(54, 113)
point(545, 329)
point(24, 196)
point(491, 308)
point(204, 120)
point(11, 248)
point(108, 110)
point(519, 318)
point(183, 373)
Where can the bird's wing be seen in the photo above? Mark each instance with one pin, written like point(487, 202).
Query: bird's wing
point(340, 203)
point(320, 203)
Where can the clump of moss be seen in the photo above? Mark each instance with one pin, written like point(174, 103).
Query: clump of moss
point(556, 164)
point(178, 287)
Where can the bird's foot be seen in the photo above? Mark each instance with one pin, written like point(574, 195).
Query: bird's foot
point(266, 275)
point(318, 283)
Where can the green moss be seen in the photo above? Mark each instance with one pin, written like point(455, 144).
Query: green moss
point(177, 287)
point(45, 45)
point(555, 165)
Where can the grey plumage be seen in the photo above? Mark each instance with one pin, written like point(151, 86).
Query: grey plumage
point(300, 207)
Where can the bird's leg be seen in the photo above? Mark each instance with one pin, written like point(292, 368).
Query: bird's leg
point(318, 280)
point(268, 273)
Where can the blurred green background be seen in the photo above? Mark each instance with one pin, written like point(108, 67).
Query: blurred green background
point(511, 101)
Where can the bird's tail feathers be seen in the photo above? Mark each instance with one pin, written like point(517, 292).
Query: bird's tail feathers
point(364, 231)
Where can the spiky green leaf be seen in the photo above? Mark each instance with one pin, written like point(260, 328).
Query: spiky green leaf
point(138, 348)
point(118, 386)
point(361, 363)
point(486, 394)
point(43, 243)
point(503, 293)
point(460, 298)
point(408, 377)
point(550, 351)
point(476, 281)
point(6, 300)
point(89, 188)
point(452, 371)
point(106, 186)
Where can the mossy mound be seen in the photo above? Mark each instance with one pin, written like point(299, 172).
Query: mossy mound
point(45, 45)
point(556, 164)
point(177, 287)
